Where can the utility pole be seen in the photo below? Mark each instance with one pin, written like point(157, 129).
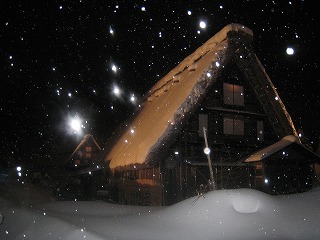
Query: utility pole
point(207, 152)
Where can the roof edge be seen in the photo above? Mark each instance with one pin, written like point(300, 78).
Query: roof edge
point(218, 38)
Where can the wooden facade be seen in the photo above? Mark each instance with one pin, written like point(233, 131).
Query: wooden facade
point(223, 88)
point(286, 166)
point(85, 153)
point(85, 172)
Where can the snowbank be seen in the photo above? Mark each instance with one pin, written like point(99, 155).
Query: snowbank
point(224, 214)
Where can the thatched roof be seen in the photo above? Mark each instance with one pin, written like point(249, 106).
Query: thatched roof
point(169, 103)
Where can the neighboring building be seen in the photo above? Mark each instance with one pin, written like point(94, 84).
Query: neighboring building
point(284, 167)
point(85, 153)
point(86, 180)
point(222, 87)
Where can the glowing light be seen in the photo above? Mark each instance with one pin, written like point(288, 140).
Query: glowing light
point(111, 31)
point(19, 169)
point(276, 98)
point(217, 64)
point(132, 98)
point(207, 151)
point(208, 74)
point(60, 7)
point(143, 9)
point(176, 153)
point(114, 68)
point(202, 24)
point(266, 181)
point(75, 125)
point(189, 12)
point(290, 51)
point(132, 131)
point(116, 91)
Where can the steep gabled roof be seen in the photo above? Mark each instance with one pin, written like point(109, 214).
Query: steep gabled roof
point(279, 146)
point(85, 140)
point(172, 99)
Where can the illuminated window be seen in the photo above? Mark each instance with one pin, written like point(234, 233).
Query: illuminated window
point(88, 149)
point(88, 155)
point(233, 126)
point(233, 94)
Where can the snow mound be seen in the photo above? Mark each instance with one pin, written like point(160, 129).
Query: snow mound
point(225, 214)
point(246, 203)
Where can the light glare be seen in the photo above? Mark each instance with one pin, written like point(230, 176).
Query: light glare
point(290, 51)
point(116, 91)
point(75, 124)
point(202, 24)
point(207, 151)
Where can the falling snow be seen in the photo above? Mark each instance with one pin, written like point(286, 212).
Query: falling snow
point(64, 59)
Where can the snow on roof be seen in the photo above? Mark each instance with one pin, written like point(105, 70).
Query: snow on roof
point(268, 151)
point(176, 88)
point(176, 95)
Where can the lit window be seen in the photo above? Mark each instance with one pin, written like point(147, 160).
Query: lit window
point(88, 155)
point(88, 149)
point(233, 94)
point(233, 126)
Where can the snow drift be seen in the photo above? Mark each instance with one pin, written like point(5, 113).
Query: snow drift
point(224, 214)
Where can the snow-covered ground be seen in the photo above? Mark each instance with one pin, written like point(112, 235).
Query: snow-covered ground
point(30, 213)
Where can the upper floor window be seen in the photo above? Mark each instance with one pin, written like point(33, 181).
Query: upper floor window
point(233, 94)
point(88, 149)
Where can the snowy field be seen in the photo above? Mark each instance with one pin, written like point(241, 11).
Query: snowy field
point(29, 213)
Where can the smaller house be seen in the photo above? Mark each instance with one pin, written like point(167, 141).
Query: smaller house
point(84, 154)
point(84, 165)
point(281, 168)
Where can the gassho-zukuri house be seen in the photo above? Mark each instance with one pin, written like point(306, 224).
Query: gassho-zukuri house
point(221, 96)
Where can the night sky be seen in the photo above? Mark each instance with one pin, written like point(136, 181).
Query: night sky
point(93, 60)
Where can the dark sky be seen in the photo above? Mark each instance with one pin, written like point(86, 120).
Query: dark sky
point(57, 56)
